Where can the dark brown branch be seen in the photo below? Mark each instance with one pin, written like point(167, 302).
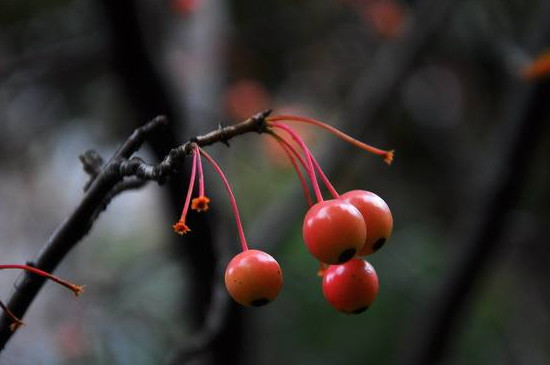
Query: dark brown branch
point(100, 192)
point(143, 170)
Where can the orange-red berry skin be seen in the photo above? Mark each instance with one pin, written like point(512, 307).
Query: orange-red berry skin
point(377, 216)
point(351, 287)
point(334, 231)
point(253, 278)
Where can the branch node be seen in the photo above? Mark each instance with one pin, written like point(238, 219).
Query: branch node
point(223, 135)
point(92, 162)
point(260, 120)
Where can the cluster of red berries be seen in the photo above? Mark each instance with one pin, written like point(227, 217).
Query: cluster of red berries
point(336, 231)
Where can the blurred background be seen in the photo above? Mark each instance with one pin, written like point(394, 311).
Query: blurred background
point(465, 278)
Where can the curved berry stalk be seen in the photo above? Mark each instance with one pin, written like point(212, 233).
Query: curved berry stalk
point(293, 155)
point(333, 230)
point(214, 164)
point(16, 322)
point(386, 155)
point(200, 204)
point(180, 227)
point(324, 177)
point(76, 289)
point(284, 143)
point(253, 277)
point(309, 164)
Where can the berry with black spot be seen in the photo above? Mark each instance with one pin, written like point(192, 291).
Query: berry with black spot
point(334, 231)
point(377, 216)
point(351, 287)
point(253, 278)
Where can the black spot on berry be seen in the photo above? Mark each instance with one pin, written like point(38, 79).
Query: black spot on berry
point(346, 255)
point(259, 302)
point(378, 244)
point(360, 310)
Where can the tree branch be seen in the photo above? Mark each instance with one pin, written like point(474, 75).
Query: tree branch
point(107, 184)
point(159, 172)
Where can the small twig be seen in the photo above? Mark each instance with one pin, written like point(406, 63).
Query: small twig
point(16, 322)
point(92, 163)
point(138, 167)
point(134, 142)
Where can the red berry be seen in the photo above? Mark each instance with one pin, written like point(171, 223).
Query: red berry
point(253, 278)
point(351, 287)
point(334, 231)
point(377, 217)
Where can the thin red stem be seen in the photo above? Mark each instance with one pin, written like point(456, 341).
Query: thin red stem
point(324, 177)
point(16, 321)
point(76, 289)
point(201, 175)
point(293, 150)
point(190, 188)
point(231, 197)
point(310, 169)
point(292, 154)
point(387, 155)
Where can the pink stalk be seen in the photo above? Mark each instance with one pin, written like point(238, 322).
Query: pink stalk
point(310, 169)
point(324, 177)
point(201, 175)
point(292, 154)
point(387, 155)
point(180, 227)
point(76, 289)
point(326, 181)
point(231, 198)
point(16, 322)
point(292, 150)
